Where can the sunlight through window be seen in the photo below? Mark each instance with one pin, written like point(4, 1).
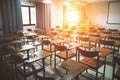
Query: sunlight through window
point(72, 17)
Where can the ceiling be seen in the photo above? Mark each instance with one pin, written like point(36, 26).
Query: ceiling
point(90, 1)
point(76, 1)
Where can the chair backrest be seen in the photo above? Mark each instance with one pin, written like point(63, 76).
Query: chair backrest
point(94, 37)
point(105, 34)
point(87, 53)
point(66, 35)
point(83, 33)
point(37, 31)
point(115, 38)
point(84, 39)
point(45, 42)
point(60, 48)
point(47, 45)
point(113, 30)
point(106, 43)
point(29, 30)
point(53, 33)
point(30, 37)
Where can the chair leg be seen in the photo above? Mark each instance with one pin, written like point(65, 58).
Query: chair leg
point(51, 60)
point(54, 61)
point(25, 78)
point(96, 74)
point(104, 68)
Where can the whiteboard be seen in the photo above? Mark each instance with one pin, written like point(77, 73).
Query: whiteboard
point(114, 13)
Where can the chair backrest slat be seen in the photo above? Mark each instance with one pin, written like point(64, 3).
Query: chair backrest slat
point(88, 53)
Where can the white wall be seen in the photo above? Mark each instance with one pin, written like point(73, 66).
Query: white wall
point(97, 14)
point(57, 13)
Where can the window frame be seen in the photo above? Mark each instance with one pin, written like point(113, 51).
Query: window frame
point(28, 14)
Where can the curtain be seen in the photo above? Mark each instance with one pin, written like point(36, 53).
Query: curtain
point(43, 13)
point(11, 16)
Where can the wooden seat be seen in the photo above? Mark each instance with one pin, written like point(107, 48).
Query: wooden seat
point(62, 52)
point(75, 69)
point(116, 72)
point(90, 60)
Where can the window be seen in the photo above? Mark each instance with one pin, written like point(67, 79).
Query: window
point(28, 15)
point(71, 16)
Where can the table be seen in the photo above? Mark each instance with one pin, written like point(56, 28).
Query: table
point(25, 48)
point(15, 43)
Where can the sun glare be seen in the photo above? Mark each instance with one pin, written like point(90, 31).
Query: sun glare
point(72, 17)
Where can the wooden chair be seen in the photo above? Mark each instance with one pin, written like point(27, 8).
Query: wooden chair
point(116, 72)
point(86, 43)
point(25, 68)
point(105, 34)
point(90, 60)
point(29, 30)
point(37, 31)
point(108, 44)
point(54, 34)
point(67, 37)
point(94, 38)
point(113, 32)
point(48, 46)
point(82, 33)
point(62, 52)
point(30, 40)
point(100, 29)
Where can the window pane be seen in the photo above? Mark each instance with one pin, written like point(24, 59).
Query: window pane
point(25, 15)
point(33, 15)
point(72, 16)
